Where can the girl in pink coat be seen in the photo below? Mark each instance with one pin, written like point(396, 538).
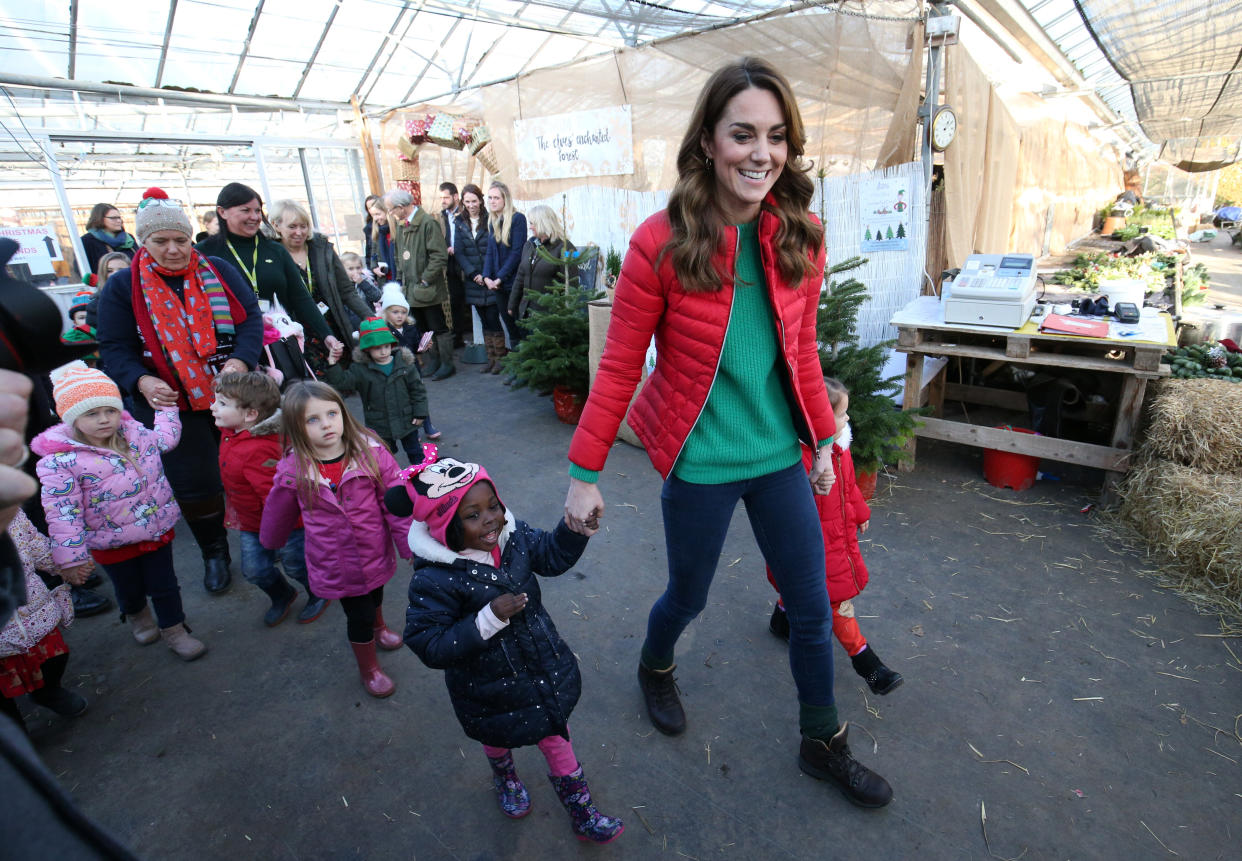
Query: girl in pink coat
point(106, 497)
point(334, 477)
point(843, 516)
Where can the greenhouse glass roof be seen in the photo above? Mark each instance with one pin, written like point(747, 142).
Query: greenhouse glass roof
point(384, 52)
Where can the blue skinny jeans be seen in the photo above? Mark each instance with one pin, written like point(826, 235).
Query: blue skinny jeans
point(259, 564)
point(787, 529)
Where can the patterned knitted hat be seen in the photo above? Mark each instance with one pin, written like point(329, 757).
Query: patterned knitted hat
point(157, 212)
point(79, 389)
point(391, 296)
point(374, 332)
point(437, 487)
point(80, 301)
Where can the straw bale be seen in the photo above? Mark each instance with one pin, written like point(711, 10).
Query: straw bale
point(1195, 517)
point(1197, 423)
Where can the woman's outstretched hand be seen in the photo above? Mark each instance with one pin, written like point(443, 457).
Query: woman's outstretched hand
point(584, 506)
point(822, 475)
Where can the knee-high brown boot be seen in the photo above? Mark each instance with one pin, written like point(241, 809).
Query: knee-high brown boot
point(489, 341)
point(501, 352)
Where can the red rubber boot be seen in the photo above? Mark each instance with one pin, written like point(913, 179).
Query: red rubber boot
point(387, 640)
point(373, 678)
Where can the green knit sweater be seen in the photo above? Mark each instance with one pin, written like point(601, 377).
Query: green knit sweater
point(746, 428)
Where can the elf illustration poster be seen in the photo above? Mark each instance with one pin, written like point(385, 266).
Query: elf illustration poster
point(884, 215)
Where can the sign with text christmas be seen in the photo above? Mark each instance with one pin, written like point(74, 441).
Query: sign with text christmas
point(38, 247)
point(884, 214)
point(584, 143)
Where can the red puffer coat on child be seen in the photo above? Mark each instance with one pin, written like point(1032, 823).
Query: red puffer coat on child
point(248, 460)
point(841, 511)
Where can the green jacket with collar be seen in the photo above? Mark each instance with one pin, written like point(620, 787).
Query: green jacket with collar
point(390, 402)
point(422, 258)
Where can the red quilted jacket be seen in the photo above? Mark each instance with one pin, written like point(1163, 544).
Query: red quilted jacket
point(841, 511)
point(689, 329)
point(248, 461)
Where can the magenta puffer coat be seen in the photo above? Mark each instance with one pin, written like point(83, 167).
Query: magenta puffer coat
point(97, 500)
point(350, 534)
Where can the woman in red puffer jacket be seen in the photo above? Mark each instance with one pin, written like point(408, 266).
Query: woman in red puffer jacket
point(728, 281)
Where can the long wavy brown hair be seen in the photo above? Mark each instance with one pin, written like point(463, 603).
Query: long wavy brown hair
point(357, 438)
point(693, 211)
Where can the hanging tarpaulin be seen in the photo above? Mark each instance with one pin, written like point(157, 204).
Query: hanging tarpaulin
point(584, 143)
point(1184, 68)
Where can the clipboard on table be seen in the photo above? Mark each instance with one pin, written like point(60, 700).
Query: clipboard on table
point(1060, 324)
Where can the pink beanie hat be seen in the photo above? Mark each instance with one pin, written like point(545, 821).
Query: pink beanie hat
point(437, 486)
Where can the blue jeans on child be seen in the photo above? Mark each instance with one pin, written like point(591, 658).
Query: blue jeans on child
point(787, 529)
point(259, 564)
point(149, 575)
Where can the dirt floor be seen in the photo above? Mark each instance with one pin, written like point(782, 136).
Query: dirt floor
point(1094, 715)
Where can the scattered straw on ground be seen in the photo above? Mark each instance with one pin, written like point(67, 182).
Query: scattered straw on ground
point(1196, 423)
point(1195, 517)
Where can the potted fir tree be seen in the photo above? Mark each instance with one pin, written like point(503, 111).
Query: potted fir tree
point(554, 354)
point(612, 271)
point(880, 430)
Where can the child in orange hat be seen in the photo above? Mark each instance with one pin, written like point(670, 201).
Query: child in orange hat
point(106, 497)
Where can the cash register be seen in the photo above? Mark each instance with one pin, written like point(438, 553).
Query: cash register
point(992, 290)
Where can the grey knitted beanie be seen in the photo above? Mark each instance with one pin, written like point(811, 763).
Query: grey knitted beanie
point(157, 212)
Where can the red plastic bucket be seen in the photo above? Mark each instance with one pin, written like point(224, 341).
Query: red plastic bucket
point(1009, 469)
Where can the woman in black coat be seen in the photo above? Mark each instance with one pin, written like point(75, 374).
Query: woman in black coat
point(138, 346)
point(105, 232)
point(265, 263)
point(377, 250)
point(470, 253)
point(535, 274)
point(322, 271)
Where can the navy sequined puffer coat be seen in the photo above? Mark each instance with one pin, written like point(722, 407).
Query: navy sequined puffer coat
point(520, 685)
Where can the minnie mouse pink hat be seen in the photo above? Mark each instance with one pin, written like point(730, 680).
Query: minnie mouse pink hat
point(437, 486)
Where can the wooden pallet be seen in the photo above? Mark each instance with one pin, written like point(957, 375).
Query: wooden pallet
point(1037, 348)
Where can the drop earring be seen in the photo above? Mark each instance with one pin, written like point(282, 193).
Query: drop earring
point(707, 160)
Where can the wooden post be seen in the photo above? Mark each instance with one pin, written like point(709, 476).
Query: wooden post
point(1177, 290)
point(374, 177)
point(911, 399)
point(1129, 417)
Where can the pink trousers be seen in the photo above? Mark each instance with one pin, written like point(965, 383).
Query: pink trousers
point(556, 750)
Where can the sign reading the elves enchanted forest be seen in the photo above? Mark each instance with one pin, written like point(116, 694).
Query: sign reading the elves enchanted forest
point(884, 215)
point(585, 143)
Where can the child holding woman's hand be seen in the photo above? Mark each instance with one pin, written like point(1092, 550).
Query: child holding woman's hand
point(476, 613)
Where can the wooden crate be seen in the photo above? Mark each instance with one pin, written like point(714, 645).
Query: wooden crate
point(1036, 348)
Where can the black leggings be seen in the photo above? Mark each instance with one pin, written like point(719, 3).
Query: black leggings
point(53, 671)
point(360, 614)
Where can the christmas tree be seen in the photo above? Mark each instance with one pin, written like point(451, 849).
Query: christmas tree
point(555, 349)
point(880, 430)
